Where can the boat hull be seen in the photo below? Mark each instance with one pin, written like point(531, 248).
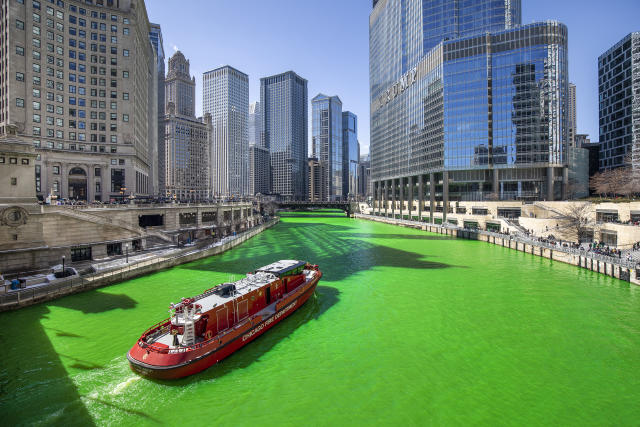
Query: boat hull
point(207, 358)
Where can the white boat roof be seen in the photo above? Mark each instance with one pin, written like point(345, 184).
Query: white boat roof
point(214, 297)
point(282, 266)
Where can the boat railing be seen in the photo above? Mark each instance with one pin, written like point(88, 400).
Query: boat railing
point(219, 337)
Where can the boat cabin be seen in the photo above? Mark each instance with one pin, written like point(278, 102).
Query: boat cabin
point(285, 267)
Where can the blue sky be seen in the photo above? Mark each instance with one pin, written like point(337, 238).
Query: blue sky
point(327, 42)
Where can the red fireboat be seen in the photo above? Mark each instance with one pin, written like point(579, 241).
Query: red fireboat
point(203, 330)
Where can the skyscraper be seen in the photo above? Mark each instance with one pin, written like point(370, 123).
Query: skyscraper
point(283, 100)
point(326, 142)
point(466, 103)
point(184, 166)
point(91, 114)
point(619, 88)
point(226, 98)
point(255, 124)
point(572, 120)
point(259, 170)
point(317, 181)
point(155, 36)
point(350, 154)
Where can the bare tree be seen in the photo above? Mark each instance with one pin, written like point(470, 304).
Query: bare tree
point(618, 180)
point(596, 183)
point(576, 220)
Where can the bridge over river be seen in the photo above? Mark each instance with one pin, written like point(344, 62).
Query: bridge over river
point(348, 207)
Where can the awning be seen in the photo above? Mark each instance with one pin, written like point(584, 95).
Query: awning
point(607, 211)
point(635, 212)
point(609, 232)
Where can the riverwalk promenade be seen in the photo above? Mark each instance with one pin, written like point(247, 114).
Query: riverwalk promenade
point(111, 273)
point(610, 266)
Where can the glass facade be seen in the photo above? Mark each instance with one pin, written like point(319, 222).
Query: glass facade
point(619, 89)
point(484, 110)
point(326, 142)
point(350, 154)
point(284, 100)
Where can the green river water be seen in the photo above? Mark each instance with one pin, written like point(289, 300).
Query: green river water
point(406, 328)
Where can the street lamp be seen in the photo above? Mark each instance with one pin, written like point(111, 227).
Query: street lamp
point(62, 264)
point(126, 249)
point(122, 191)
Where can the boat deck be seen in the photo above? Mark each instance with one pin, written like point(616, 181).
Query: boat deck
point(210, 300)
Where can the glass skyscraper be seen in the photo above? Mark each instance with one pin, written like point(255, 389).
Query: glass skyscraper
point(619, 89)
point(284, 121)
point(466, 103)
point(326, 142)
point(350, 154)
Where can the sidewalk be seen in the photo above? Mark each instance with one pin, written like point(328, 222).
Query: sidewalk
point(117, 270)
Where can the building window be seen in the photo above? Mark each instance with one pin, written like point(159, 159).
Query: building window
point(19, 24)
point(1, 160)
point(125, 117)
point(14, 181)
point(19, 77)
point(125, 31)
point(38, 178)
point(25, 161)
point(125, 96)
point(125, 52)
point(81, 254)
point(19, 102)
point(20, 50)
point(56, 170)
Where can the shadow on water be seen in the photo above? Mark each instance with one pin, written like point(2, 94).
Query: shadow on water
point(34, 384)
point(397, 236)
point(335, 248)
point(96, 302)
point(325, 297)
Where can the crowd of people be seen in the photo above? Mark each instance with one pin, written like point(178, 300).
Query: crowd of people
point(602, 249)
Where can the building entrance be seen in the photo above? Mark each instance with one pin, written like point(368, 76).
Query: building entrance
point(77, 184)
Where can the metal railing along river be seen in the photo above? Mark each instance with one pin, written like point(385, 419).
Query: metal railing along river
point(518, 238)
point(36, 292)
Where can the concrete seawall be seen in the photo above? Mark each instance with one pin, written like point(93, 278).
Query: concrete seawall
point(64, 287)
point(583, 261)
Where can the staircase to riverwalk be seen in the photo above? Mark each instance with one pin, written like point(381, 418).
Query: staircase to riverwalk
point(515, 225)
point(107, 221)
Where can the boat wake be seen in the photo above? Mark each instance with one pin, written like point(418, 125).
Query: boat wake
point(123, 385)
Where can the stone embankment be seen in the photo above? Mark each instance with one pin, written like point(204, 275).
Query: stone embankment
point(618, 268)
point(62, 287)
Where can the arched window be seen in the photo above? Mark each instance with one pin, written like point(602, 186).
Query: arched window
point(77, 171)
